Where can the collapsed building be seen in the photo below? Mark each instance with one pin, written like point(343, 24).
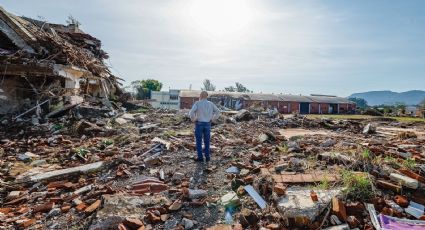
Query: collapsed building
point(45, 65)
point(313, 104)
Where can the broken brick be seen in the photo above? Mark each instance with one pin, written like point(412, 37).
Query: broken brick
point(27, 223)
point(81, 207)
point(279, 189)
point(412, 175)
point(133, 224)
point(66, 208)
point(43, 207)
point(93, 207)
point(153, 218)
point(248, 179)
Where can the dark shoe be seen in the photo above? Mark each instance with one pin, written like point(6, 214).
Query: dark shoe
point(199, 159)
point(208, 159)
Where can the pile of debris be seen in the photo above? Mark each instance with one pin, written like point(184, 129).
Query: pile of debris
point(136, 170)
point(46, 67)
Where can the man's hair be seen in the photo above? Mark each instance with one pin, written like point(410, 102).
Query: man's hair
point(204, 94)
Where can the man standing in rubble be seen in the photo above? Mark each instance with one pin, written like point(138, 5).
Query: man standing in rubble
point(202, 113)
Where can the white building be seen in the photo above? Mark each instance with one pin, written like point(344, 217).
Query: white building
point(165, 100)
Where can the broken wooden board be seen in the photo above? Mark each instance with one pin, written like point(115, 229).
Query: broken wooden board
point(305, 177)
point(66, 172)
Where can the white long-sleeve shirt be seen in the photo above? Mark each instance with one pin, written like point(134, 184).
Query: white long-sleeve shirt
point(204, 111)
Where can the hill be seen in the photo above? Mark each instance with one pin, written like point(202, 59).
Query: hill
point(412, 97)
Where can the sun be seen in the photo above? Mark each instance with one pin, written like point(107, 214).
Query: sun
point(219, 18)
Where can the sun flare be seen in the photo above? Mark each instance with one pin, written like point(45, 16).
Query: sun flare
point(220, 18)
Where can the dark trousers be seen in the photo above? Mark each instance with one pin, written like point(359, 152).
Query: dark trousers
point(203, 131)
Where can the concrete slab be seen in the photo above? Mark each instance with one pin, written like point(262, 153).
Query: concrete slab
point(297, 203)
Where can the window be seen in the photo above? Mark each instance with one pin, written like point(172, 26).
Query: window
point(168, 103)
point(174, 97)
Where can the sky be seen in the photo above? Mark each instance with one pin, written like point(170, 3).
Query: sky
point(270, 46)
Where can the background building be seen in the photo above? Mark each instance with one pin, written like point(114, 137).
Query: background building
point(314, 104)
point(165, 100)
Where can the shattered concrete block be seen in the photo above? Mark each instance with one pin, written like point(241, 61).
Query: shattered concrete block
point(231, 199)
point(297, 204)
point(121, 121)
point(404, 180)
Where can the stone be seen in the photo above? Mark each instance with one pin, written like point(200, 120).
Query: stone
point(328, 143)
point(404, 180)
point(13, 195)
point(54, 212)
point(165, 217)
point(121, 121)
point(298, 204)
point(176, 205)
point(197, 193)
point(188, 224)
point(23, 157)
point(133, 223)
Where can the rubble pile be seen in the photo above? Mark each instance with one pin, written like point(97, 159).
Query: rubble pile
point(48, 67)
point(136, 170)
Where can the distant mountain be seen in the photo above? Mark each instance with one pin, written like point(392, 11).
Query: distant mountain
point(412, 97)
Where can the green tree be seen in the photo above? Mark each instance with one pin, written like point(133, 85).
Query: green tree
point(239, 88)
point(73, 21)
point(401, 107)
point(143, 88)
point(360, 102)
point(208, 86)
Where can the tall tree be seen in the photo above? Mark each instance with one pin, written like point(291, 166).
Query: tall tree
point(360, 102)
point(73, 21)
point(239, 88)
point(400, 106)
point(230, 89)
point(208, 86)
point(143, 88)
